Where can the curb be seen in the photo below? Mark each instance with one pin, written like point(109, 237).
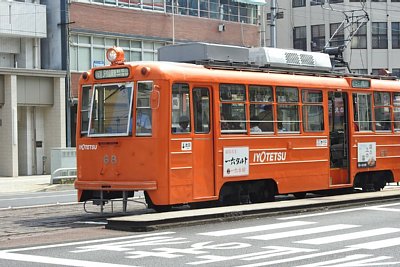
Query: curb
point(156, 221)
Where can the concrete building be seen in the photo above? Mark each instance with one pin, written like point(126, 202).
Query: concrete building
point(32, 99)
point(306, 25)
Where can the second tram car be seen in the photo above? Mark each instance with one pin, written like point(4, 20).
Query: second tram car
point(197, 134)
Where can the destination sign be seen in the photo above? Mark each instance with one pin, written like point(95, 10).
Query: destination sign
point(360, 83)
point(111, 73)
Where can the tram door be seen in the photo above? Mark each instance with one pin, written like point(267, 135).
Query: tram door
point(338, 138)
point(203, 167)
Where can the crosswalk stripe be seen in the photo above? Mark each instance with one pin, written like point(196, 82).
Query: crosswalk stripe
point(310, 256)
point(302, 232)
point(349, 236)
point(258, 228)
point(391, 242)
point(383, 209)
point(354, 260)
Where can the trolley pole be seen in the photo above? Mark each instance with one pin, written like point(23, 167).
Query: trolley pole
point(273, 23)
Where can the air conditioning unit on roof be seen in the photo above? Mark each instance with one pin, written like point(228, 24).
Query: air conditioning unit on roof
point(195, 52)
point(292, 59)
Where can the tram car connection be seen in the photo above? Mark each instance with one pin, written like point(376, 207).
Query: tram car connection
point(228, 131)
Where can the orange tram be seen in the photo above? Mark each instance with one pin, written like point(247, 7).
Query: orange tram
point(198, 134)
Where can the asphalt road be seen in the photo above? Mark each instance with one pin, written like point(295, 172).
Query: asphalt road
point(33, 199)
point(363, 235)
point(29, 199)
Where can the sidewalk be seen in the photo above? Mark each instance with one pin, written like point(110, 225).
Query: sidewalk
point(34, 183)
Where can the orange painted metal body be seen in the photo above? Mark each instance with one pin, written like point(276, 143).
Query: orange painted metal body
point(171, 175)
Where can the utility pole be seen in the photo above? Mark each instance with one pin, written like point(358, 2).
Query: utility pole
point(273, 23)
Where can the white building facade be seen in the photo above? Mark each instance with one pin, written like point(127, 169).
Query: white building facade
point(32, 100)
point(307, 25)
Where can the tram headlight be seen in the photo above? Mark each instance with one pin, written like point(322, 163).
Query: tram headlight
point(115, 55)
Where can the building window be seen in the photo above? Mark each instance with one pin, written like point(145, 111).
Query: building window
point(298, 3)
point(338, 39)
point(300, 38)
point(360, 38)
point(379, 35)
point(396, 72)
point(359, 71)
point(317, 37)
point(321, 2)
point(89, 51)
point(229, 10)
point(396, 34)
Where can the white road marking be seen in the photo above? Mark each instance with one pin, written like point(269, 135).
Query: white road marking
point(270, 252)
point(383, 209)
point(302, 232)
point(128, 245)
point(79, 243)
point(351, 258)
point(298, 258)
point(348, 236)
point(258, 228)
point(38, 197)
point(57, 261)
point(336, 212)
point(320, 214)
point(391, 242)
point(353, 261)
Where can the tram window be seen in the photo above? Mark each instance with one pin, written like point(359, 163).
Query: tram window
point(288, 109)
point(180, 108)
point(233, 118)
point(382, 111)
point(87, 93)
point(261, 109)
point(233, 108)
point(313, 111)
point(110, 114)
point(396, 111)
point(143, 109)
point(261, 94)
point(201, 109)
point(362, 111)
point(232, 92)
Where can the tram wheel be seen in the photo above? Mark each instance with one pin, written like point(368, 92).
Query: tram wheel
point(162, 208)
point(203, 204)
point(300, 195)
point(157, 208)
point(263, 194)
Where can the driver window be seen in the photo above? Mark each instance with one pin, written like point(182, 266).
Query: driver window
point(143, 109)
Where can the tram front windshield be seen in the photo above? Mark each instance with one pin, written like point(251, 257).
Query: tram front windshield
point(110, 110)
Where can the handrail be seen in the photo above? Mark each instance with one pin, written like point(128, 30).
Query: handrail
point(61, 174)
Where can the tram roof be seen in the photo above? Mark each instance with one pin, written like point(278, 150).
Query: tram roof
point(238, 74)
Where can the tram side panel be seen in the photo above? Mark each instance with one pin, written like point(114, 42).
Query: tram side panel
point(296, 163)
point(385, 147)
